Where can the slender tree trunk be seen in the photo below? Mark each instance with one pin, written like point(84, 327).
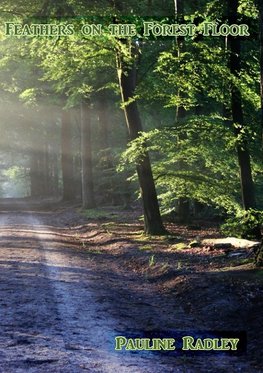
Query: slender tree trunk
point(43, 167)
point(34, 174)
point(53, 173)
point(246, 180)
point(38, 172)
point(88, 200)
point(127, 80)
point(78, 174)
point(111, 193)
point(107, 192)
point(259, 253)
point(103, 117)
point(66, 157)
point(260, 6)
point(247, 187)
point(183, 209)
point(46, 168)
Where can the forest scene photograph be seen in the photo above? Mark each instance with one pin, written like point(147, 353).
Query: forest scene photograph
point(131, 186)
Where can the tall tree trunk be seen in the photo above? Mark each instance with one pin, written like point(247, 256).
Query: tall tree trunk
point(246, 181)
point(103, 117)
point(46, 167)
point(106, 190)
point(259, 253)
point(34, 174)
point(43, 167)
point(110, 193)
point(127, 80)
point(260, 6)
point(53, 174)
point(88, 200)
point(66, 157)
point(183, 209)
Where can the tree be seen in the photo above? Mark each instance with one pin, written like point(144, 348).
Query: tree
point(260, 7)
point(127, 79)
point(259, 254)
point(183, 203)
point(88, 200)
point(246, 180)
point(66, 157)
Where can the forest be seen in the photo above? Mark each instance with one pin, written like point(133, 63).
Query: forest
point(81, 115)
point(195, 108)
point(144, 118)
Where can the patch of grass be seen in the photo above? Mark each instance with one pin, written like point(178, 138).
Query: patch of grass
point(110, 224)
point(179, 264)
point(246, 261)
point(93, 252)
point(167, 237)
point(98, 214)
point(96, 252)
point(146, 247)
point(147, 237)
point(180, 246)
point(152, 261)
point(116, 228)
point(165, 267)
point(140, 235)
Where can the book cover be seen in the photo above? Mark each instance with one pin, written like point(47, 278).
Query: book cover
point(131, 186)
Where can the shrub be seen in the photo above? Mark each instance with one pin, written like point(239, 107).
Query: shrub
point(245, 224)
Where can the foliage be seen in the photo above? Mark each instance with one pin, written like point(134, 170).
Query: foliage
point(13, 173)
point(14, 181)
point(243, 223)
point(193, 159)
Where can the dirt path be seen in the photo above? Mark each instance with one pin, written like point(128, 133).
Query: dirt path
point(61, 308)
point(51, 319)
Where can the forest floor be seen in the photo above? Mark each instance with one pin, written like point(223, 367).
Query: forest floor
point(71, 282)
